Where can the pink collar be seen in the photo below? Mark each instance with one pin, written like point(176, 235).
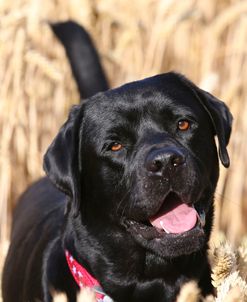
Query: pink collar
point(84, 279)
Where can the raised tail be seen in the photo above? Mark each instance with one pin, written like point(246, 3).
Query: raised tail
point(83, 57)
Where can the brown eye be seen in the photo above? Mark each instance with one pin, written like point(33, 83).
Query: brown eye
point(116, 147)
point(183, 125)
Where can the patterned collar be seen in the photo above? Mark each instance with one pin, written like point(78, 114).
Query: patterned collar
point(84, 279)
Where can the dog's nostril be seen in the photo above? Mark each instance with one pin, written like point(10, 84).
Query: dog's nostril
point(154, 166)
point(177, 160)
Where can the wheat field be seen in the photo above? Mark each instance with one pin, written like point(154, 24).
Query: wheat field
point(205, 40)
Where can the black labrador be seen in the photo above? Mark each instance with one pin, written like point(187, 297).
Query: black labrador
point(129, 194)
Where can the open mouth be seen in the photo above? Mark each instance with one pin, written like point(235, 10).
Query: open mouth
point(175, 218)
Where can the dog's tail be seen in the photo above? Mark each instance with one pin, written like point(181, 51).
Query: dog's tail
point(83, 57)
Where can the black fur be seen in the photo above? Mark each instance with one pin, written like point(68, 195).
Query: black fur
point(108, 196)
point(85, 63)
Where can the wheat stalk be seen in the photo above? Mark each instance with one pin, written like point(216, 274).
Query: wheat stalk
point(189, 293)
point(206, 40)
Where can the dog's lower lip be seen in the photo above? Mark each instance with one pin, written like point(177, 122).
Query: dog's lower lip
point(148, 232)
point(149, 227)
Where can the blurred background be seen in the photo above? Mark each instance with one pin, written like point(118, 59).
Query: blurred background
point(204, 40)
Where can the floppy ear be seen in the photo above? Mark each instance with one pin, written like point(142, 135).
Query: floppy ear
point(62, 159)
point(222, 122)
point(220, 116)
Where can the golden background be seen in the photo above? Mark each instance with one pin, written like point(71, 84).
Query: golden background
point(204, 40)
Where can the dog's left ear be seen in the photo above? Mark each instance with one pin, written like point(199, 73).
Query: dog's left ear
point(220, 116)
point(221, 119)
point(62, 159)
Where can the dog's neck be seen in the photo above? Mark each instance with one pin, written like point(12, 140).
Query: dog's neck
point(84, 279)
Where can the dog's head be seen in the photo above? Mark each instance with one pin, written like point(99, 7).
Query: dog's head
point(143, 159)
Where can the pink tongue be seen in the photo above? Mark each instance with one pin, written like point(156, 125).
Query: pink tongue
point(180, 219)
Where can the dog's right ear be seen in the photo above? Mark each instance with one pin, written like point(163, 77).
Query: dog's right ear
point(62, 159)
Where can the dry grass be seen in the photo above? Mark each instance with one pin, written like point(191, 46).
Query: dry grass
point(205, 40)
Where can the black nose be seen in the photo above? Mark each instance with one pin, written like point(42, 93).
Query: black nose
point(161, 159)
